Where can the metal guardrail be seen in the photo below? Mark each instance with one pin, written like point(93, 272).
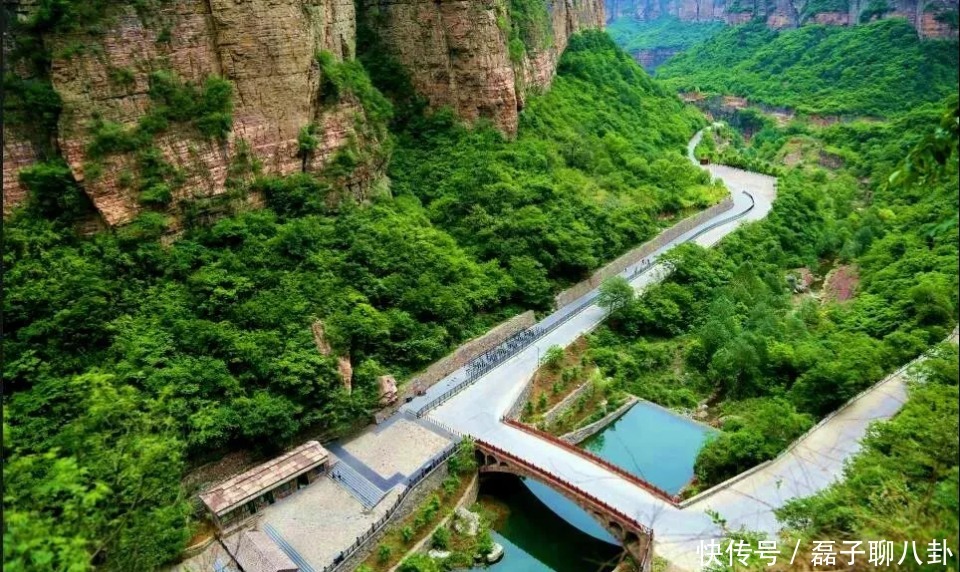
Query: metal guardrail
point(376, 527)
point(487, 361)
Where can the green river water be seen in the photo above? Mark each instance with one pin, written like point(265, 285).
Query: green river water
point(535, 538)
point(546, 532)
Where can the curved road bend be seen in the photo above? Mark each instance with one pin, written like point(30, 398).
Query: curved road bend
point(815, 460)
point(477, 410)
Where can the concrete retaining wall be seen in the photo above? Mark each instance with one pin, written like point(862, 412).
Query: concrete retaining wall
point(517, 408)
point(561, 407)
point(637, 254)
point(581, 434)
point(459, 358)
point(417, 495)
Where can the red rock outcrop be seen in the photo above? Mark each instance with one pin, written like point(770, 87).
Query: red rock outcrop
point(831, 19)
point(17, 154)
point(265, 48)
point(779, 14)
point(567, 18)
point(651, 59)
point(457, 53)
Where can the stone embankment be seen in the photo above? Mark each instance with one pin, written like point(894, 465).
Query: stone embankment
point(582, 434)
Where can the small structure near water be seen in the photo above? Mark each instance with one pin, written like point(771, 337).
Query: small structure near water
point(234, 500)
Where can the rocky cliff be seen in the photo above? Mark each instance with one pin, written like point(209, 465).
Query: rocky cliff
point(458, 52)
point(930, 17)
point(123, 81)
point(120, 138)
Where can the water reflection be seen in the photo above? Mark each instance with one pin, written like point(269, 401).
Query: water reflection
point(535, 538)
point(652, 443)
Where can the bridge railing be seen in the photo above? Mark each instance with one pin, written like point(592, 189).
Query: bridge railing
point(647, 486)
point(556, 481)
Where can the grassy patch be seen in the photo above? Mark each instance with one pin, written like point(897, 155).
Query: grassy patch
point(557, 378)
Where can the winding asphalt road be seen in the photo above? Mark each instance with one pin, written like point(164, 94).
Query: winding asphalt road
point(811, 464)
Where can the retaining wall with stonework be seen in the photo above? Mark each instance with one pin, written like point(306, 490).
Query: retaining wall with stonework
point(639, 253)
point(459, 358)
point(517, 408)
point(560, 408)
point(581, 434)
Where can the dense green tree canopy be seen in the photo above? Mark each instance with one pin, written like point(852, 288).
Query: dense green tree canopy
point(129, 359)
point(881, 68)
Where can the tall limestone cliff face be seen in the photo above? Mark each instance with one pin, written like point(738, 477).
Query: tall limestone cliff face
point(925, 15)
point(457, 51)
point(566, 18)
point(266, 49)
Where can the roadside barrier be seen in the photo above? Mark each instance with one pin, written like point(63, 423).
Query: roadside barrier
point(487, 361)
point(412, 481)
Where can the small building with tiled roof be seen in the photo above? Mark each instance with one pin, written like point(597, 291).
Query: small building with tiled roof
point(254, 551)
point(234, 500)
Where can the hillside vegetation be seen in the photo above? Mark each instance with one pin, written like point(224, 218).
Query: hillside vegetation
point(880, 69)
point(130, 359)
point(728, 327)
point(596, 156)
point(665, 32)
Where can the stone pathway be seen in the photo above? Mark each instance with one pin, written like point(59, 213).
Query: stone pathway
point(315, 524)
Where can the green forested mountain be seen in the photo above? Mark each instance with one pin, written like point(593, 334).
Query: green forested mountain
point(129, 359)
point(775, 361)
point(881, 68)
point(132, 356)
point(665, 32)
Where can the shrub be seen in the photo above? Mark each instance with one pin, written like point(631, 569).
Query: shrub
point(450, 485)
point(53, 191)
point(440, 539)
point(384, 553)
point(419, 563)
point(553, 357)
point(463, 461)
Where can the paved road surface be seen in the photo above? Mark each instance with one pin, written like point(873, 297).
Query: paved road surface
point(809, 466)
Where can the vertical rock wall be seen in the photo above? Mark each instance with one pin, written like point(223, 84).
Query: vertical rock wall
point(265, 48)
point(457, 54)
point(567, 17)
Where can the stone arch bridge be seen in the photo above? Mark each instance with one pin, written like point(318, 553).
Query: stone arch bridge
point(636, 538)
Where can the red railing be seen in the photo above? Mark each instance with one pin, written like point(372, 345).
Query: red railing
point(649, 487)
point(557, 482)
